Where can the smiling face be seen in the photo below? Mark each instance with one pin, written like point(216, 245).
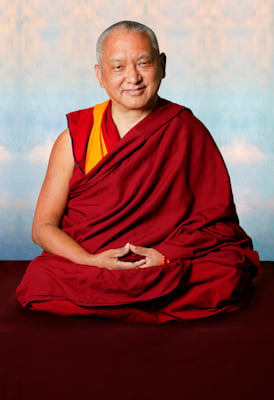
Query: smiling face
point(131, 70)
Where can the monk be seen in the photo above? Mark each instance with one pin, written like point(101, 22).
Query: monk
point(136, 217)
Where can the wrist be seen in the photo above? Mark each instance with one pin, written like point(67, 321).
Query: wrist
point(165, 260)
point(86, 258)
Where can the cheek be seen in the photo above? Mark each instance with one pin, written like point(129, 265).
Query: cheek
point(154, 77)
point(114, 81)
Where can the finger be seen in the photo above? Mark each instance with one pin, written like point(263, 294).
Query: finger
point(121, 251)
point(141, 251)
point(139, 263)
point(127, 264)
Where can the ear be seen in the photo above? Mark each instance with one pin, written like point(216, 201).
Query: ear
point(98, 74)
point(163, 64)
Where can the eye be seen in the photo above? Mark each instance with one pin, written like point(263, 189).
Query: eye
point(117, 67)
point(144, 63)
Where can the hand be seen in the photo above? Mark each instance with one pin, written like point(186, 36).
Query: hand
point(110, 259)
point(152, 257)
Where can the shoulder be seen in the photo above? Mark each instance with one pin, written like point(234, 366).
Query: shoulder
point(167, 106)
point(189, 128)
point(79, 127)
point(78, 116)
point(185, 117)
point(193, 123)
point(189, 121)
point(75, 117)
point(62, 147)
point(63, 139)
point(80, 123)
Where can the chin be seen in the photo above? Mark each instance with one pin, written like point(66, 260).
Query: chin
point(140, 104)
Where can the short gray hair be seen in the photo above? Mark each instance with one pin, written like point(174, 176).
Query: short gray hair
point(129, 25)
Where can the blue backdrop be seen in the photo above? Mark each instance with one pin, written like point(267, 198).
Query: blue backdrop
point(220, 64)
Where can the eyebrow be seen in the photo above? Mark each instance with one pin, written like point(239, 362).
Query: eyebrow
point(150, 56)
point(142, 56)
point(115, 60)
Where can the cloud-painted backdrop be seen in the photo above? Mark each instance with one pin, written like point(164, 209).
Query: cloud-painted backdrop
point(220, 64)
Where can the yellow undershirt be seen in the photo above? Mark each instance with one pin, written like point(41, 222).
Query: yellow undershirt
point(96, 148)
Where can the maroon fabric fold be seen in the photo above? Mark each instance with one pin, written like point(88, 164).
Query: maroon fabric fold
point(164, 185)
point(109, 129)
point(92, 286)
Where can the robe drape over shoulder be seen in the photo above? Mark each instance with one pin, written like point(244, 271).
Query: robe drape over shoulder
point(163, 185)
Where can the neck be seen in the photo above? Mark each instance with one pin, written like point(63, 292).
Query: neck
point(125, 120)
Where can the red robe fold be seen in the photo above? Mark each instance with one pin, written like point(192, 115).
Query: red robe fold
point(164, 185)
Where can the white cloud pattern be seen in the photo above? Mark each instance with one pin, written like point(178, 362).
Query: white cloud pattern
point(9, 203)
point(240, 152)
point(40, 154)
point(4, 155)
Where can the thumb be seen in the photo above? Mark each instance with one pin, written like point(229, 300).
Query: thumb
point(141, 251)
point(123, 250)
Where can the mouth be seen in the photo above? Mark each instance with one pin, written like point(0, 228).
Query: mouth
point(135, 91)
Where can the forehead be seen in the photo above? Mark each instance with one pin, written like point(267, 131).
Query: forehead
point(121, 41)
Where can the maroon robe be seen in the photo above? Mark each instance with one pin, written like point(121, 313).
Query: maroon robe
point(164, 185)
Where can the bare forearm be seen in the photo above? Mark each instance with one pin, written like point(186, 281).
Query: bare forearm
point(53, 240)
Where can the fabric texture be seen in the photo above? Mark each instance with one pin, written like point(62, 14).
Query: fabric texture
point(103, 136)
point(96, 148)
point(164, 185)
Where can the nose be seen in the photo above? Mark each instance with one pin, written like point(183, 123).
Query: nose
point(133, 76)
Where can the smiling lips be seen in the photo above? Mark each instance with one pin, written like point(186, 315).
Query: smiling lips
point(135, 92)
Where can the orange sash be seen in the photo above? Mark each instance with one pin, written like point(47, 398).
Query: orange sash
point(96, 148)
